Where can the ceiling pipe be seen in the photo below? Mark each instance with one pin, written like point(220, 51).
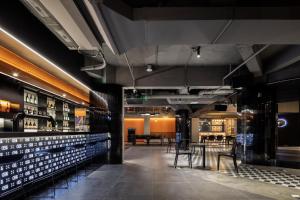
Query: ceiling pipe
point(130, 69)
point(216, 92)
point(96, 57)
point(177, 96)
point(227, 25)
point(225, 87)
point(283, 81)
point(245, 62)
point(94, 67)
point(94, 75)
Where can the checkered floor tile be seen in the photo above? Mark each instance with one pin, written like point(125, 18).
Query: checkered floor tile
point(278, 177)
point(268, 176)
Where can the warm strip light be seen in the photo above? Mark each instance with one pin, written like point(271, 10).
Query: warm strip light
point(50, 62)
point(44, 58)
point(34, 86)
point(13, 60)
point(134, 119)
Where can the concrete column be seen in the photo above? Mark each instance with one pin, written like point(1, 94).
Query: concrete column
point(195, 129)
point(147, 125)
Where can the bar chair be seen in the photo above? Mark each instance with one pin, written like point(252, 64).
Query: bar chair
point(220, 139)
point(171, 142)
point(231, 154)
point(181, 149)
point(204, 138)
point(9, 160)
point(211, 138)
point(51, 175)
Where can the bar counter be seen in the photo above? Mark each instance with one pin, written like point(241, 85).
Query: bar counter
point(26, 158)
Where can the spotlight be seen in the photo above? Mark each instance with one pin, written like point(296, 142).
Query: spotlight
point(149, 68)
point(15, 74)
point(64, 95)
point(82, 103)
point(198, 52)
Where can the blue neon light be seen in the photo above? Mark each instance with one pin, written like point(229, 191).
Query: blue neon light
point(281, 122)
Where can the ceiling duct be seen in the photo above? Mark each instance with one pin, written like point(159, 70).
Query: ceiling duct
point(190, 101)
point(64, 19)
point(99, 57)
point(100, 23)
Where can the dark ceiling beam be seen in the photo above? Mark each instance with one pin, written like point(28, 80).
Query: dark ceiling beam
point(285, 59)
point(157, 72)
point(196, 76)
point(118, 6)
point(203, 13)
point(254, 65)
point(246, 61)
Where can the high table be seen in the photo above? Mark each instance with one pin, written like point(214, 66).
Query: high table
point(200, 145)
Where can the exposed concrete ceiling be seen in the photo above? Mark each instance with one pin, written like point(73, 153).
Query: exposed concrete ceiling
point(177, 55)
point(230, 34)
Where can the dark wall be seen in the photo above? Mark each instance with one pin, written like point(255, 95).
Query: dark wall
point(115, 101)
point(11, 90)
point(261, 125)
point(289, 135)
point(100, 118)
point(16, 19)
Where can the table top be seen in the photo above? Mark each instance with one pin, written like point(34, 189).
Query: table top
point(197, 144)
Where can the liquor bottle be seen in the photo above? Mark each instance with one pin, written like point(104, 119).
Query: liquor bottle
point(26, 124)
point(33, 99)
point(30, 124)
point(27, 98)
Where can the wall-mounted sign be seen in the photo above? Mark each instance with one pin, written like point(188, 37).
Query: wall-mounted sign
point(281, 122)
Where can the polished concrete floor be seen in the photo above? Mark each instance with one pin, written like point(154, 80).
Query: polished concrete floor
point(147, 174)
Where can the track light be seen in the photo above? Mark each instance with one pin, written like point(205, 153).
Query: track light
point(198, 52)
point(149, 68)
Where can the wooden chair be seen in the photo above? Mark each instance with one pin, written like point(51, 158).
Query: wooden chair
point(231, 154)
point(181, 150)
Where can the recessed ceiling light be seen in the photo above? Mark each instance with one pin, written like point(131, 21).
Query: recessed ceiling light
point(15, 74)
point(82, 103)
point(64, 95)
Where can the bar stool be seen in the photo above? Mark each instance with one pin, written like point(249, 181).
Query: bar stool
point(50, 153)
point(171, 142)
point(9, 160)
point(231, 154)
point(181, 149)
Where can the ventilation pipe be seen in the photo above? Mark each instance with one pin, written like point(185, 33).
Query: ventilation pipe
point(98, 56)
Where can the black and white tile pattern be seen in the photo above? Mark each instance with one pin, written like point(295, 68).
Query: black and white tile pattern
point(278, 177)
point(270, 175)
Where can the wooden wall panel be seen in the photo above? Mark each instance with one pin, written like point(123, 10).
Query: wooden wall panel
point(13, 61)
point(137, 123)
point(163, 126)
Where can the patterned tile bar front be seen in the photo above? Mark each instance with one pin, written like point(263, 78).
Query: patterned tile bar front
point(24, 160)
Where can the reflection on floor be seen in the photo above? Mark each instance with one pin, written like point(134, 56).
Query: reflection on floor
point(277, 176)
point(148, 173)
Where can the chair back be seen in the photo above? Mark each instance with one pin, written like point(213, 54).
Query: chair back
point(211, 137)
point(203, 138)
point(233, 148)
point(219, 137)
